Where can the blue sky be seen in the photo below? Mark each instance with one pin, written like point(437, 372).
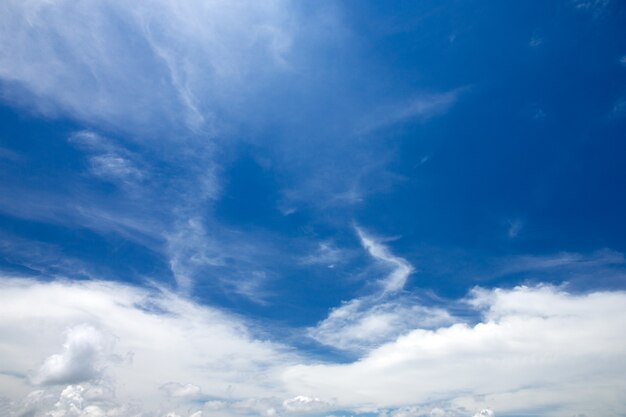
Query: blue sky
point(330, 189)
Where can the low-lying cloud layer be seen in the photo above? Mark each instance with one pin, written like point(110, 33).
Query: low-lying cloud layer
point(104, 349)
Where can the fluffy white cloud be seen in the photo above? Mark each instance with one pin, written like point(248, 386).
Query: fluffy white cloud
point(159, 338)
point(74, 403)
point(79, 360)
point(71, 401)
point(304, 404)
point(538, 351)
point(85, 401)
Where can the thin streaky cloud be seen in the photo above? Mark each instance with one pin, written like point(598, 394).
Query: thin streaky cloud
point(360, 324)
point(401, 268)
point(421, 107)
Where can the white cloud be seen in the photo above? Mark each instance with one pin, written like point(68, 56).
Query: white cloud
point(189, 249)
point(327, 253)
point(236, 259)
point(424, 411)
point(588, 263)
point(114, 167)
point(304, 404)
point(169, 339)
point(401, 268)
point(421, 107)
point(174, 389)
point(86, 401)
point(90, 141)
point(107, 160)
point(72, 403)
point(144, 65)
point(363, 323)
point(79, 361)
point(266, 407)
point(533, 350)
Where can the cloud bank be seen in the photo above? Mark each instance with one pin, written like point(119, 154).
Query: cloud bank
point(536, 350)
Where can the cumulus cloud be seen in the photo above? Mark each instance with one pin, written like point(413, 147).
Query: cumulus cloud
point(534, 348)
point(530, 348)
point(84, 400)
point(74, 401)
point(304, 404)
point(79, 360)
point(485, 413)
point(168, 338)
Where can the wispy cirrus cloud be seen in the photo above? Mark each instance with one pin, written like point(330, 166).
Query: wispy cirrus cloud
point(421, 107)
point(183, 62)
point(109, 161)
point(180, 87)
point(40, 258)
point(596, 6)
point(363, 323)
point(401, 269)
point(604, 265)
